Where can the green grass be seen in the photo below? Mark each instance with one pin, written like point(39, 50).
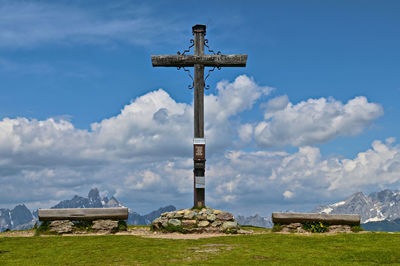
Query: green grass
point(269, 248)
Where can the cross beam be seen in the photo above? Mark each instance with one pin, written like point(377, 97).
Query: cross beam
point(205, 60)
point(199, 60)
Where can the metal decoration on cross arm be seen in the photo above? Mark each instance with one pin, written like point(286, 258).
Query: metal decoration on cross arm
point(190, 75)
point(207, 87)
point(187, 70)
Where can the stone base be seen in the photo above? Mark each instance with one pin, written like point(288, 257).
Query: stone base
point(97, 226)
point(206, 220)
point(293, 227)
point(298, 228)
point(61, 226)
point(106, 226)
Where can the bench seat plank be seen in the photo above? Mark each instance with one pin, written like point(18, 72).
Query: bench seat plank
point(337, 219)
point(83, 214)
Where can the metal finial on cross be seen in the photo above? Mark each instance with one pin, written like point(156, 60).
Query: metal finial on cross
point(199, 60)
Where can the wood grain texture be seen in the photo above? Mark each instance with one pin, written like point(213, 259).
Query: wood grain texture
point(83, 214)
point(199, 193)
point(205, 60)
point(337, 219)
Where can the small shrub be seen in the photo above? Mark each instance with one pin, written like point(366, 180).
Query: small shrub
point(356, 228)
point(230, 231)
point(83, 225)
point(44, 228)
point(277, 227)
point(172, 228)
point(316, 227)
point(35, 226)
point(152, 228)
point(122, 226)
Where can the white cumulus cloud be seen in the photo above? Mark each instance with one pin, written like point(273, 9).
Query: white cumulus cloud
point(306, 177)
point(146, 147)
point(143, 154)
point(313, 121)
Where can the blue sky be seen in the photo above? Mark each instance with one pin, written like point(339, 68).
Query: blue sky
point(310, 120)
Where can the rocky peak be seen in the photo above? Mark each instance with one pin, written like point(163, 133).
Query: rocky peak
point(105, 200)
point(92, 201)
point(20, 215)
point(18, 218)
point(358, 198)
point(385, 196)
point(94, 198)
point(112, 203)
point(5, 219)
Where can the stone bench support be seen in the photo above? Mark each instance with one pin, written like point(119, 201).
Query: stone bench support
point(333, 219)
point(77, 214)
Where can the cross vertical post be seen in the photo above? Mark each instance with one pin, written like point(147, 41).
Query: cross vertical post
point(199, 31)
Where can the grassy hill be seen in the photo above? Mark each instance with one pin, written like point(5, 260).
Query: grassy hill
point(268, 248)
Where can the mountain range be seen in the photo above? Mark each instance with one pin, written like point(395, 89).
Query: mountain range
point(377, 206)
point(21, 217)
point(379, 211)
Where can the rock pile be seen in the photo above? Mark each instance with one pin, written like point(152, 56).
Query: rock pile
point(298, 228)
point(106, 226)
point(206, 220)
point(98, 226)
point(61, 226)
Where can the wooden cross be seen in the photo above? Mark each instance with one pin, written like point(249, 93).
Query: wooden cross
point(199, 60)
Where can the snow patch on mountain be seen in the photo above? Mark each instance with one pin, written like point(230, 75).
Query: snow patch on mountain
point(339, 204)
point(374, 219)
point(327, 210)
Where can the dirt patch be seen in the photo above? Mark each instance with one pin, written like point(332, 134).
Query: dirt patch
point(262, 258)
point(183, 236)
point(136, 231)
point(216, 245)
point(211, 248)
point(24, 233)
point(146, 232)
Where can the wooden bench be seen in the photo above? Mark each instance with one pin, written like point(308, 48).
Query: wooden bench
point(75, 214)
point(333, 219)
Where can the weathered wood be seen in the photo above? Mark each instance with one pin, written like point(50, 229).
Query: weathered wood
point(83, 214)
point(337, 219)
point(199, 32)
point(205, 60)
